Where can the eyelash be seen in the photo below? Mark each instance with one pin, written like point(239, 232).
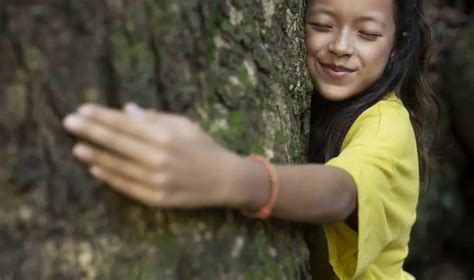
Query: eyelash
point(321, 27)
point(369, 36)
point(326, 28)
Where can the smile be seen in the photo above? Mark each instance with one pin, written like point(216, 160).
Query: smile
point(336, 72)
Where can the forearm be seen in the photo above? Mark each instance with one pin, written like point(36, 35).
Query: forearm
point(311, 193)
point(163, 160)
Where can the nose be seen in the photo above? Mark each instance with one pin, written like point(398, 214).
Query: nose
point(342, 45)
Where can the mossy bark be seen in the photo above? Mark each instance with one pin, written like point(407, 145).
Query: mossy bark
point(236, 67)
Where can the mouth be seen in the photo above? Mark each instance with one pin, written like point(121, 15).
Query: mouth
point(336, 72)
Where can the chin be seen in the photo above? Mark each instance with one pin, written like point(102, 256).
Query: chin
point(336, 93)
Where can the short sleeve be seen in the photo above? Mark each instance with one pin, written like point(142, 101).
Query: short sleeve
point(379, 153)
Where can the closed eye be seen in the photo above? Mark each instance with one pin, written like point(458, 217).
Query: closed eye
point(369, 36)
point(321, 27)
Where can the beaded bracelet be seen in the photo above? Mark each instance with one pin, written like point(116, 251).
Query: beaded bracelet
point(266, 210)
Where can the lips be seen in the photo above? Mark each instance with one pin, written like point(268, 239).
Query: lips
point(336, 72)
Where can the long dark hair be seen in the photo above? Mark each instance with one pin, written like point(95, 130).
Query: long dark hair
point(405, 73)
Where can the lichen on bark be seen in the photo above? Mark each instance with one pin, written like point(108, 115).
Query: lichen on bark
point(236, 67)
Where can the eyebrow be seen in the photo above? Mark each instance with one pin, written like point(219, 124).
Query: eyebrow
point(321, 10)
point(375, 18)
point(371, 17)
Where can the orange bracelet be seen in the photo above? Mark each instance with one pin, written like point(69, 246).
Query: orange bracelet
point(267, 208)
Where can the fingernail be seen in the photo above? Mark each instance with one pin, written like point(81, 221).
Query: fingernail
point(86, 110)
point(134, 109)
point(96, 171)
point(82, 151)
point(73, 122)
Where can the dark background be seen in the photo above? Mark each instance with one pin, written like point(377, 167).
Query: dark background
point(442, 245)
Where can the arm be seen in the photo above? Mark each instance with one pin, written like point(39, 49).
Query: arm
point(311, 193)
point(165, 160)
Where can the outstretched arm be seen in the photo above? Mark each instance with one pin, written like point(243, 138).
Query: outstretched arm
point(165, 160)
point(311, 193)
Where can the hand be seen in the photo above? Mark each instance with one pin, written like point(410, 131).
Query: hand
point(159, 159)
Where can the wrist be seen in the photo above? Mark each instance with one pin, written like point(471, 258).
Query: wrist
point(266, 209)
point(248, 185)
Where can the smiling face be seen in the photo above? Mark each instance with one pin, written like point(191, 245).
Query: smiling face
point(348, 44)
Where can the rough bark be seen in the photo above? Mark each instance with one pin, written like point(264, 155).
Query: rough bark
point(236, 67)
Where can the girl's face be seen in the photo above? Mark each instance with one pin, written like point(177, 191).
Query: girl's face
point(348, 44)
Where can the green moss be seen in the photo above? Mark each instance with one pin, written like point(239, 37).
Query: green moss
point(280, 137)
point(235, 124)
point(256, 146)
point(248, 82)
point(162, 52)
point(15, 106)
point(34, 59)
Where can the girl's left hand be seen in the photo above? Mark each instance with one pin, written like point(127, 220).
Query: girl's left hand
point(159, 159)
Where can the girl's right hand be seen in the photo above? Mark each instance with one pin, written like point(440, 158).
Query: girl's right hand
point(159, 159)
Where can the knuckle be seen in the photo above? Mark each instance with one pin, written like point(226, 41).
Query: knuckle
point(149, 115)
point(113, 120)
point(182, 119)
point(192, 125)
point(117, 181)
point(184, 122)
point(106, 136)
point(157, 199)
point(93, 157)
point(94, 153)
point(150, 202)
point(159, 180)
point(103, 159)
point(158, 161)
point(191, 122)
point(171, 143)
point(161, 136)
point(166, 139)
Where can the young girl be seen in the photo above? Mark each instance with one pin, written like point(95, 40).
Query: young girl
point(367, 60)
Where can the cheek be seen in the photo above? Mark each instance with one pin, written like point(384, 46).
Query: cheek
point(313, 42)
point(376, 60)
point(309, 45)
point(312, 48)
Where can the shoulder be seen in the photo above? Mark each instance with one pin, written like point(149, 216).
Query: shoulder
point(386, 124)
point(390, 108)
point(380, 154)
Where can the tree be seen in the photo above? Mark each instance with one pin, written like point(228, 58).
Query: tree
point(236, 67)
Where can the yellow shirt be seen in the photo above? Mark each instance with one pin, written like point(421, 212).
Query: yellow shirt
point(380, 154)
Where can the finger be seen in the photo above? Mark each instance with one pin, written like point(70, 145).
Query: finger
point(123, 144)
point(123, 123)
point(120, 166)
point(136, 111)
point(128, 187)
point(176, 122)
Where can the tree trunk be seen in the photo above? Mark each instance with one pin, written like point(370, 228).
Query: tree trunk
point(234, 66)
